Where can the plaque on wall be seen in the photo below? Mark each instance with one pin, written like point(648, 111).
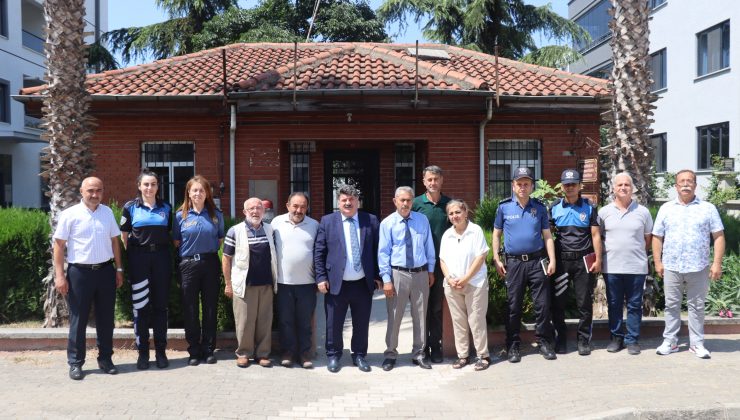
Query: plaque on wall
point(589, 170)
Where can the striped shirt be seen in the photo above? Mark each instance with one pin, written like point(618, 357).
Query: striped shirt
point(260, 269)
point(87, 233)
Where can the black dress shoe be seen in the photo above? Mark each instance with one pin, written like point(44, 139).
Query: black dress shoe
point(361, 363)
point(546, 351)
point(75, 372)
point(193, 361)
point(422, 362)
point(514, 355)
point(333, 365)
point(161, 358)
point(615, 345)
point(210, 359)
point(436, 356)
point(561, 347)
point(389, 364)
point(107, 367)
point(142, 363)
point(584, 348)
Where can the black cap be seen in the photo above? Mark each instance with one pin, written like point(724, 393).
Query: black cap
point(523, 172)
point(570, 176)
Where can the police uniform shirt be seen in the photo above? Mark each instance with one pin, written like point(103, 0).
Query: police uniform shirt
point(522, 226)
point(573, 224)
point(198, 233)
point(146, 226)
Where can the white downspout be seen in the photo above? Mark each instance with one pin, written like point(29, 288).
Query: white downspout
point(232, 162)
point(482, 147)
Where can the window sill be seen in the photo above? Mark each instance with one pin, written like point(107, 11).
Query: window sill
point(712, 74)
point(659, 91)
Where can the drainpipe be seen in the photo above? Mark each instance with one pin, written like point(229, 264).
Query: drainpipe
point(482, 148)
point(232, 162)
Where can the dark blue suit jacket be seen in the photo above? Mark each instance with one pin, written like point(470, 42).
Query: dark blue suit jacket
point(330, 250)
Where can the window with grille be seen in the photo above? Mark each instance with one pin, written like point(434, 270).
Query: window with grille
point(504, 156)
point(405, 165)
point(300, 152)
point(713, 49)
point(174, 163)
point(714, 140)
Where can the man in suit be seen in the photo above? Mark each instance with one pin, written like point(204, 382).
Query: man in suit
point(347, 273)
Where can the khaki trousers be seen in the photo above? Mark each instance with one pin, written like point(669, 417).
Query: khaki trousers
point(414, 288)
point(253, 319)
point(468, 307)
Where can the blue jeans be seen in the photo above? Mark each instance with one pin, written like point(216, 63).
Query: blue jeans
point(621, 288)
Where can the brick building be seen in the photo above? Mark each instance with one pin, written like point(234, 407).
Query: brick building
point(309, 116)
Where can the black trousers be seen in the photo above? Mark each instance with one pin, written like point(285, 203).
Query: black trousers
point(295, 307)
point(519, 274)
point(85, 287)
point(201, 281)
point(356, 296)
point(583, 285)
point(434, 311)
point(150, 274)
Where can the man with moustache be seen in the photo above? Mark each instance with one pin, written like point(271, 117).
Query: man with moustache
point(89, 233)
point(250, 269)
point(681, 255)
point(528, 243)
point(347, 274)
point(433, 205)
point(295, 234)
point(406, 261)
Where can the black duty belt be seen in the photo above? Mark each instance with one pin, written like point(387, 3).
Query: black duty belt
point(574, 255)
point(92, 266)
point(527, 257)
point(150, 247)
point(409, 270)
point(198, 257)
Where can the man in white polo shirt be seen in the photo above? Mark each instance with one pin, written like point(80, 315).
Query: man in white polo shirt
point(90, 233)
point(295, 234)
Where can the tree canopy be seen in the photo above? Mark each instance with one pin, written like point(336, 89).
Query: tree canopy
point(195, 25)
point(480, 24)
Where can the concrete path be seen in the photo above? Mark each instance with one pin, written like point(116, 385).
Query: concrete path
point(34, 384)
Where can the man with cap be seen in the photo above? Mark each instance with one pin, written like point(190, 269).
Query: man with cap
point(529, 259)
point(574, 222)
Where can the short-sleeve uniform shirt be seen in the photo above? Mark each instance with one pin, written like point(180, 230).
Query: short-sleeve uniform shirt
point(198, 233)
point(146, 226)
point(522, 226)
point(573, 224)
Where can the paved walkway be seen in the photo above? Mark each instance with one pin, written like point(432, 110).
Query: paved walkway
point(34, 384)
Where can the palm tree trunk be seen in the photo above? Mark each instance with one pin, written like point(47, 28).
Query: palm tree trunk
point(67, 160)
point(629, 147)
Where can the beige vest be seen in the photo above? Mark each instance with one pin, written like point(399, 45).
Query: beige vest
point(240, 261)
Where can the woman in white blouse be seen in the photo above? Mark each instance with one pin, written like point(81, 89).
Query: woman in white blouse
point(462, 256)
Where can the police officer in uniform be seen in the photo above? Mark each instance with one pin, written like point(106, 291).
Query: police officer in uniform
point(529, 259)
point(576, 228)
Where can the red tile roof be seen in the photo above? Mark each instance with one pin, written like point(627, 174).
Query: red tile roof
point(334, 66)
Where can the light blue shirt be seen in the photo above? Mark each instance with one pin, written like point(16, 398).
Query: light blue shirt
point(392, 246)
point(686, 229)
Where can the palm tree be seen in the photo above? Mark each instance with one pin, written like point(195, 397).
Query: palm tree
point(171, 37)
point(629, 148)
point(68, 128)
point(481, 24)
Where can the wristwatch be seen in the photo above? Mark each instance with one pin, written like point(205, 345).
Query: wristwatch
point(120, 270)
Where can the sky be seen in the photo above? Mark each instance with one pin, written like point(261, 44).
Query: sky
point(127, 13)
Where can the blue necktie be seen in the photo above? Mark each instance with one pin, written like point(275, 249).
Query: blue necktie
point(355, 243)
point(409, 245)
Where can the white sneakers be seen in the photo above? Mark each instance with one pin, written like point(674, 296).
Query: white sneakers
point(667, 348)
point(700, 351)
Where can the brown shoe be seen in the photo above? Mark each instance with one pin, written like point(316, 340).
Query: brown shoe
point(265, 362)
point(242, 361)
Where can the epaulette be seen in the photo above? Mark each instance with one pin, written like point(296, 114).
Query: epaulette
point(506, 200)
point(555, 203)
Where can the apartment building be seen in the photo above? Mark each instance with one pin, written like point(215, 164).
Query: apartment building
point(692, 48)
point(22, 65)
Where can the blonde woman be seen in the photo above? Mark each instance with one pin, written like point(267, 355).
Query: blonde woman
point(462, 255)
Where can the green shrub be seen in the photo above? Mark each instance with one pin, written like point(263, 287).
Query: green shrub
point(485, 213)
point(725, 294)
point(24, 255)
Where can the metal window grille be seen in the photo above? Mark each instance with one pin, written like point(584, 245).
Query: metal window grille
point(714, 140)
point(300, 154)
point(174, 163)
point(504, 156)
point(405, 165)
